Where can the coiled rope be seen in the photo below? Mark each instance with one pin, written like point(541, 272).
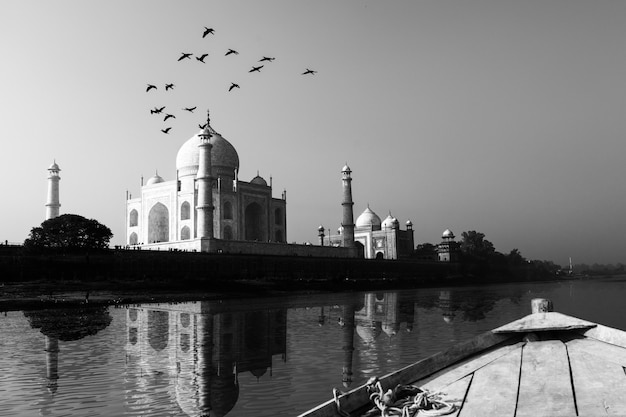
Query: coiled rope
point(402, 401)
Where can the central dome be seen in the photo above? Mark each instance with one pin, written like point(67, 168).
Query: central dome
point(368, 219)
point(224, 158)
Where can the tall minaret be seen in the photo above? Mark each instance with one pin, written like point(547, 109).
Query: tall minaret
point(205, 183)
point(348, 217)
point(52, 206)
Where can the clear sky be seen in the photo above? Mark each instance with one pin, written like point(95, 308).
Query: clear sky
point(504, 117)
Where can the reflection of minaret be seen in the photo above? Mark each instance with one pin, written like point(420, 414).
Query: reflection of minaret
point(52, 205)
point(348, 343)
point(348, 217)
point(205, 362)
point(445, 304)
point(52, 362)
point(205, 184)
point(321, 320)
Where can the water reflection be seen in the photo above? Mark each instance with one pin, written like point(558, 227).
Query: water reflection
point(65, 325)
point(202, 350)
point(257, 358)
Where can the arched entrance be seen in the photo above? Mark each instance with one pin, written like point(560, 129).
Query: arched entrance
point(254, 222)
point(360, 249)
point(158, 224)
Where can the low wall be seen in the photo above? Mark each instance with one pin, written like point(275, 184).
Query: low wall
point(178, 266)
point(251, 248)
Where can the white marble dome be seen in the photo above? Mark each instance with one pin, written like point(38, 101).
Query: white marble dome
point(224, 157)
point(390, 222)
point(156, 179)
point(258, 180)
point(368, 219)
point(447, 234)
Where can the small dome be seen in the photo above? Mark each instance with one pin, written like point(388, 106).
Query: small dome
point(390, 222)
point(155, 180)
point(321, 228)
point(368, 219)
point(346, 168)
point(447, 234)
point(258, 180)
point(409, 223)
point(54, 167)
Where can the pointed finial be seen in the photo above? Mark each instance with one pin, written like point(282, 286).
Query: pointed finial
point(208, 117)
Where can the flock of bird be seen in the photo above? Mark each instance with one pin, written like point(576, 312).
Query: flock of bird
point(201, 58)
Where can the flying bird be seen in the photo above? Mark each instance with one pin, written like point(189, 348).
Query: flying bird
point(207, 31)
point(185, 55)
point(167, 116)
point(233, 85)
point(190, 109)
point(150, 87)
point(257, 69)
point(231, 51)
point(202, 126)
point(267, 58)
point(157, 110)
point(169, 87)
point(166, 131)
point(201, 57)
point(308, 71)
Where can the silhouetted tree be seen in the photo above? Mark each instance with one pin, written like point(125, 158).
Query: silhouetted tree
point(69, 231)
point(425, 251)
point(474, 245)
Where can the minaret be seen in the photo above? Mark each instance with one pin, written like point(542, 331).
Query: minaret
point(52, 206)
point(205, 184)
point(348, 217)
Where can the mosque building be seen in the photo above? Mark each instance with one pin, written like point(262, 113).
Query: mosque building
point(376, 239)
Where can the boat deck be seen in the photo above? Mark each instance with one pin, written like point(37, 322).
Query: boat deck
point(545, 364)
point(544, 377)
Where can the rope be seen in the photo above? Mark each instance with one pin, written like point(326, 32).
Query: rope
point(404, 401)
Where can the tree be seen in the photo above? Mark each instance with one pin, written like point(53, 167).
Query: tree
point(475, 245)
point(69, 231)
point(425, 251)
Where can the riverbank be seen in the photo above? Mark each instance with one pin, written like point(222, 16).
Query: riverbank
point(52, 279)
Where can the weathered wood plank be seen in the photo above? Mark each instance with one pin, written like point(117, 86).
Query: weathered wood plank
point(544, 322)
point(600, 385)
point(606, 351)
point(448, 375)
point(494, 388)
point(454, 394)
point(358, 397)
point(607, 334)
point(545, 385)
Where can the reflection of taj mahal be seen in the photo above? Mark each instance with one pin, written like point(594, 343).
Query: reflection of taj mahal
point(200, 354)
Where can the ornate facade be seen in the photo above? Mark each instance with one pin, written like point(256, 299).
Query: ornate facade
point(206, 200)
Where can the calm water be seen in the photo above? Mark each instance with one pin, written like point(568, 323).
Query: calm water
point(253, 357)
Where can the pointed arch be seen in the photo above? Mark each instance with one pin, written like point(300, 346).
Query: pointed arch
point(185, 211)
point(133, 218)
point(254, 222)
point(185, 233)
point(228, 210)
point(158, 224)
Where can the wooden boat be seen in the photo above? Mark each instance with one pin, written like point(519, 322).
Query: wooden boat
point(545, 364)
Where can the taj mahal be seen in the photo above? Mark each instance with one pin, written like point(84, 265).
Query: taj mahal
point(207, 208)
point(206, 201)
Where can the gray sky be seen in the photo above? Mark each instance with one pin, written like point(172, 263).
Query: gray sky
point(505, 117)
